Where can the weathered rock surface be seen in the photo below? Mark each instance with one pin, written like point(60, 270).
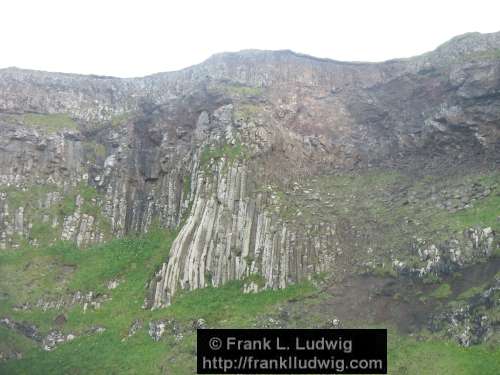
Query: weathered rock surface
point(134, 327)
point(47, 342)
point(88, 301)
point(55, 338)
point(473, 321)
point(213, 150)
point(451, 255)
point(25, 329)
point(158, 328)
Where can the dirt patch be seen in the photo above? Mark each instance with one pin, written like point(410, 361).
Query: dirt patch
point(405, 303)
point(376, 300)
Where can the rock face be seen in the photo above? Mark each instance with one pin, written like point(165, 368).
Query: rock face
point(48, 343)
point(157, 328)
point(474, 320)
point(88, 301)
point(214, 152)
point(451, 255)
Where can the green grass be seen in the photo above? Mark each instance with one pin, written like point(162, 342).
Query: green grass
point(228, 306)
point(33, 199)
point(121, 119)
point(244, 91)
point(134, 261)
point(407, 356)
point(246, 112)
point(94, 151)
point(186, 186)
point(43, 232)
point(50, 123)
point(492, 54)
point(10, 341)
point(384, 270)
point(29, 273)
point(90, 195)
point(471, 292)
point(380, 204)
point(484, 213)
point(441, 292)
point(231, 152)
point(107, 354)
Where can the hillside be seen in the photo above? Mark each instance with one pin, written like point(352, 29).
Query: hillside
point(256, 189)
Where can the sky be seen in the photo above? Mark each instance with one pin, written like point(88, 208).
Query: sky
point(135, 38)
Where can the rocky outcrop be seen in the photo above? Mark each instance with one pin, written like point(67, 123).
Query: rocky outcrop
point(30, 331)
point(55, 338)
point(449, 256)
point(213, 150)
point(88, 301)
point(474, 320)
point(134, 327)
point(10, 354)
point(157, 328)
point(23, 328)
point(230, 235)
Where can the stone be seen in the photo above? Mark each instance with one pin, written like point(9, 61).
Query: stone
point(96, 329)
point(134, 327)
point(55, 338)
point(234, 155)
point(113, 284)
point(251, 287)
point(333, 324)
point(60, 319)
point(156, 329)
point(199, 324)
point(24, 328)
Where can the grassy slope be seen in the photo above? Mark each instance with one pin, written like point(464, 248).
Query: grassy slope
point(409, 356)
point(378, 203)
point(366, 195)
point(41, 217)
point(49, 123)
point(134, 260)
point(27, 273)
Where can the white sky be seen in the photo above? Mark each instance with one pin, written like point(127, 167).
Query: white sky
point(134, 38)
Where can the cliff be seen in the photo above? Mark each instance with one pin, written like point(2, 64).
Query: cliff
point(271, 165)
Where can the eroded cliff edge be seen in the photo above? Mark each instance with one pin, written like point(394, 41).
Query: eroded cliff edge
point(272, 166)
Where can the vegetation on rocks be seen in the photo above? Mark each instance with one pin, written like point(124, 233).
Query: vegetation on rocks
point(29, 274)
point(358, 194)
point(46, 206)
point(442, 291)
point(35, 272)
point(242, 91)
point(231, 152)
point(49, 123)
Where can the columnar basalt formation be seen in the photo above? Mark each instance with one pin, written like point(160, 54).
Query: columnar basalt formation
point(229, 154)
